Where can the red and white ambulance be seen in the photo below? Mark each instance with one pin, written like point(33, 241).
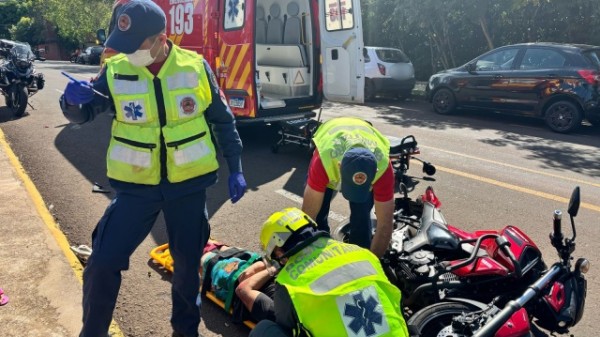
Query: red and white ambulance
point(275, 59)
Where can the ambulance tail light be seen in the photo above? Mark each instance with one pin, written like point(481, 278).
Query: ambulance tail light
point(381, 68)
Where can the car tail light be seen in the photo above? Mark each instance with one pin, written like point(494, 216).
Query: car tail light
point(381, 68)
point(590, 76)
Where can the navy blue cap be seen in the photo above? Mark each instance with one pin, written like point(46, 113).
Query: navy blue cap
point(136, 21)
point(357, 170)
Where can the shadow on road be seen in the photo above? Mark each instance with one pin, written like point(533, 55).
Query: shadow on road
point(84, 146)
point(6, 114)
point(554, 150)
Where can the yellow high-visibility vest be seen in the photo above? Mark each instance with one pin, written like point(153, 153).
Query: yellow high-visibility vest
point(340, 289)
point(334, 137)
point(134, 150)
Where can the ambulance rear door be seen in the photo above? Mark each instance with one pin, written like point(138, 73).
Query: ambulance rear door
point(341, 50)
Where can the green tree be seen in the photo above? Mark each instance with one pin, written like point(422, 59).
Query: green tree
point(10, 13)
point(78, 25)
point(439, 34)
point(27, 30)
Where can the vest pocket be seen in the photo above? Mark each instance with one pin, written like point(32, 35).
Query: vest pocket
point(190, 151)
point(133, 154)
point(183, 154)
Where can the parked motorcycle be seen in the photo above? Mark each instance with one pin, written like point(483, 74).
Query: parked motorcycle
point(555, 300)
point(74, 56)
point(18, 78)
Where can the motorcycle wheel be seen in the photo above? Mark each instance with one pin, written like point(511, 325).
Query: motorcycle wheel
point(73, 59)
point(19, 102)
point(342, 232)
point(436, 319)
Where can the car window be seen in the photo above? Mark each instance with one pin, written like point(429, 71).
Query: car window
point(366, 55)
point(391, 56)
point(536, 58)
point(97, 50)
point(594, 57)
point(499, 60)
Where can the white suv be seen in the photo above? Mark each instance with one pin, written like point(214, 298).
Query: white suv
point(389, 71)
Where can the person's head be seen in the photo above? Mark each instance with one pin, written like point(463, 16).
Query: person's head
point(140, 32)
point(357, 171)
point(287, 232)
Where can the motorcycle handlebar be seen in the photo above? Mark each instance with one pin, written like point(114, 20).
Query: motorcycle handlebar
point(557, 236)
point(490, 328)
point(557, 222)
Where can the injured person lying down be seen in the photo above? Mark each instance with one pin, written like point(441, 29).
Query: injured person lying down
point(240, 279)
point(236, 277)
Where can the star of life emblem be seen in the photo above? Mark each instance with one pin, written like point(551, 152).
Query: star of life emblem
point(134, 111)
point(362, 313)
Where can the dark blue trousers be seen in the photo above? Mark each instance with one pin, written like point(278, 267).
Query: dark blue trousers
point(125, 224)
point(360, 219)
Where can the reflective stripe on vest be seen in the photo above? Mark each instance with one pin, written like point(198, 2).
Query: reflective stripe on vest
point(340, 289)
point(342, 275)
point(334, 137)
point(134, 150)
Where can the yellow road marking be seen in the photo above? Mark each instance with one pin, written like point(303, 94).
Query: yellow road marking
point(579, 181)
point(513, 187)
point(48, 219)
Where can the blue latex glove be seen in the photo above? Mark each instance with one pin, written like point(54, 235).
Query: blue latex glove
point(79, 92)
point(237, 186)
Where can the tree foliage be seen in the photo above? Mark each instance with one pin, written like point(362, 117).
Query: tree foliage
point(77, 20)
point(441, 34)
point(10, 13)
point(27, 30)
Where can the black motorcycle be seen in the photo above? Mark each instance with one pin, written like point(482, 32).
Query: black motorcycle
point(18, 78)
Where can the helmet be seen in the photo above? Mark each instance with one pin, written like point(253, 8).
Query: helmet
point(280, 226)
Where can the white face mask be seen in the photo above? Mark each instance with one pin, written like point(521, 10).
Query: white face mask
point(142, 57)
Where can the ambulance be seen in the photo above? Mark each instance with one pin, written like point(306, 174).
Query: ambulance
point(275, 59)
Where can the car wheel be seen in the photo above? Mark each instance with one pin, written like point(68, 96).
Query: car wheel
point(563, 117)
point(369, 90)
point(443, 101)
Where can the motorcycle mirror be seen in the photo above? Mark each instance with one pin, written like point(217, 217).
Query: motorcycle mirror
point(101, 36)
point(574, 202)
point(428, 168)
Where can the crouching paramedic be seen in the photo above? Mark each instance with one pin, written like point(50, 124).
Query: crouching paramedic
point(325, 287)
point(353, 157)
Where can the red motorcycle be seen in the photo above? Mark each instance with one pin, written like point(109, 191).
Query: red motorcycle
point(555, 300)
point(444, 271)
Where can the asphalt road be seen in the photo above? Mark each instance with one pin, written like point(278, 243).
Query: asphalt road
point(493, 171)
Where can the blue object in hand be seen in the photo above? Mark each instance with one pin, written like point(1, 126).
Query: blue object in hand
point(237, 186)
point(79, 92)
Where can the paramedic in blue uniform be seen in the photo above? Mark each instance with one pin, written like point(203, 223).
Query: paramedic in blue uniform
point(167, 104)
